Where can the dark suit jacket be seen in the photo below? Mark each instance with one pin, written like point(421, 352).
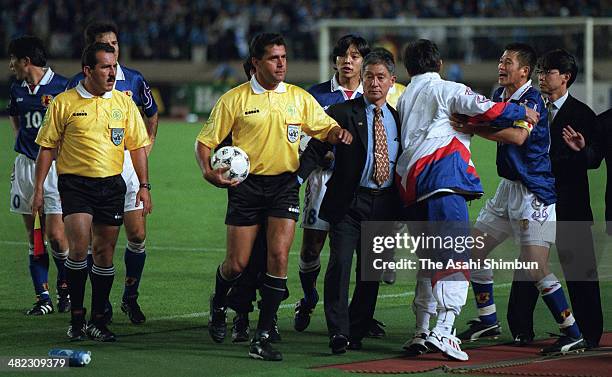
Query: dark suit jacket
point(570, 167)
point(601, 148)
point(349, 160)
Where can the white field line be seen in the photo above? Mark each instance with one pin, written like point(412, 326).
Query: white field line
point(181, 248)
point(290, 306)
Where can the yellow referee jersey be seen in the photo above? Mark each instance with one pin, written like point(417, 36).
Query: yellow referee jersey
point(266, 124)
point(91, 132)
point(394, 94)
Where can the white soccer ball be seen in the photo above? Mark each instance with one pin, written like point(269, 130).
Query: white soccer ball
point(236, 159)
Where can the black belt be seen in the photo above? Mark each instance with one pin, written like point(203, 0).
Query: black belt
point(374, 192)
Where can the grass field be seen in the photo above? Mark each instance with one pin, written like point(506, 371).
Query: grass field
point(185, 243)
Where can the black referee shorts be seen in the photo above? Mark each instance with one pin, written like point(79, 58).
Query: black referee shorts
point(261, 196)
point(103, 198)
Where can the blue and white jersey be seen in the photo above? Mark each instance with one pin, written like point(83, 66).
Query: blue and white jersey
point(133, 84)
point(528, 163)
point(30, 105)
point(331, 92)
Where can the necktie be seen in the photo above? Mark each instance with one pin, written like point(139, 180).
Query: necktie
point(381, 153)
point(550, 107)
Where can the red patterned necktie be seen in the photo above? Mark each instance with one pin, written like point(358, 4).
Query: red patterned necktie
point(381, 153)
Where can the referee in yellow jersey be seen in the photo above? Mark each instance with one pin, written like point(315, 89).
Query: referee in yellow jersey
point(265, 117)
point(88, 128)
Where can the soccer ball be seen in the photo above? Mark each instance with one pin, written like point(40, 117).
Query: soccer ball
point(236, 159)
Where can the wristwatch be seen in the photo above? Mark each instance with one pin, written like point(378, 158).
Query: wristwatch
point(146, 185)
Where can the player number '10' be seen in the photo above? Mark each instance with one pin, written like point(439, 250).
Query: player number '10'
point(33, 119)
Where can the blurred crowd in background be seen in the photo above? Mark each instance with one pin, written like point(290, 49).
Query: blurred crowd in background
point(219, 30)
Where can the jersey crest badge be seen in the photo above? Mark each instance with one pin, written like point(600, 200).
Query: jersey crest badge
point(483, 297)
point(566, 314)
point(117, 135)
point(46, 99)
point(291, 111)
point(116, 114)
point(293, 132)
point(128, 93)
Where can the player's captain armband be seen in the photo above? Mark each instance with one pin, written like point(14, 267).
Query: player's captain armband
point(523, 124)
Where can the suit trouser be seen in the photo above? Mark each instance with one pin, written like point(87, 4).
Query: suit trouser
point(344, 239)
point(577, 256)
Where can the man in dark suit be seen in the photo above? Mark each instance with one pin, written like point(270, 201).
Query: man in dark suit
point(360, 189)
point(598, 149)
point(603, 149)
point(567, 116)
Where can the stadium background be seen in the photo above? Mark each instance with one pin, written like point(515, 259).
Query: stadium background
point(190, 52)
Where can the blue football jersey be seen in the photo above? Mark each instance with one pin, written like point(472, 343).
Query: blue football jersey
point(30, 105)
point(329, 93)
point(133, 84)
point(529, 163)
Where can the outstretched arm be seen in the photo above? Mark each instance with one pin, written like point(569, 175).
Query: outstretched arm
point(339, 135)
point(480, 109)
point(513, 135)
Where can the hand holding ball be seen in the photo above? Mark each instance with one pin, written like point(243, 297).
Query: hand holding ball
point(234, 158)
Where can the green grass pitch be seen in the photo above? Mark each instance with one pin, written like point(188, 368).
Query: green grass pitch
point(185, 243)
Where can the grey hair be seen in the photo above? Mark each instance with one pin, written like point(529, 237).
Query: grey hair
point(379, 57)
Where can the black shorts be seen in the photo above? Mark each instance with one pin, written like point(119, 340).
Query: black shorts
point(261, 196)
point(103, 198)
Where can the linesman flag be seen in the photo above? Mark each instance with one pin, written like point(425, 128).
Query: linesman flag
point(39, 244)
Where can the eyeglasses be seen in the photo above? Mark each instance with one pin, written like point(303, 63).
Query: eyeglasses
point(546, 72)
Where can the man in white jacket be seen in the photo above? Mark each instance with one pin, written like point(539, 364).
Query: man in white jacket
point(436, 178)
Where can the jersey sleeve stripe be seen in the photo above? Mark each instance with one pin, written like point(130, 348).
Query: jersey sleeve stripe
point(408, 184)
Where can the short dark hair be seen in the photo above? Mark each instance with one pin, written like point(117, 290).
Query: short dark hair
point(88, 59)
point(99, 27)
point(562, 60)
point(345, 42)
point(378, 57)
point(248, 66)
point(383, 50)
point(422, 56)
point(257, 47)
point(31, 47)
point(525, 53)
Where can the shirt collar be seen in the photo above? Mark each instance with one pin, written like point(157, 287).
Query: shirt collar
point(119, 75)
point(85, 94)
point(370, 106)
point(560, 101)
point(519, 93)
point(258, 89)
point(46, 79)
point(335, 86)
point(425, 76)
